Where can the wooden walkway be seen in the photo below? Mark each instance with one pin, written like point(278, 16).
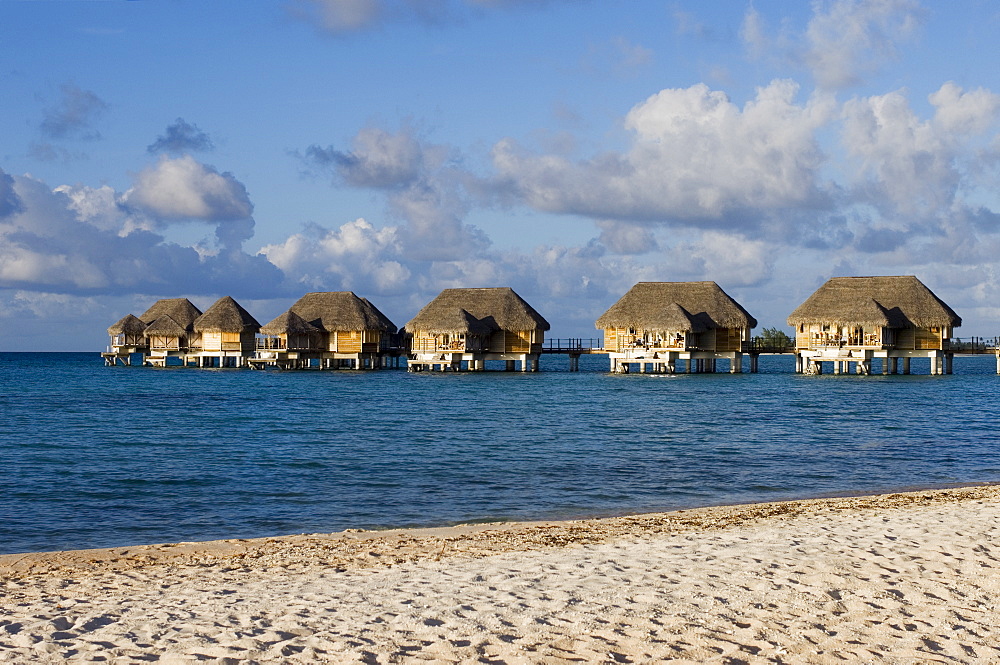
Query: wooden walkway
point(573, 346)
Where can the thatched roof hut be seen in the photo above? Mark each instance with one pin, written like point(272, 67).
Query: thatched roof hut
point(341, 311)
point(892, 302)
point(495, 308)
point(127, 325)
point(289, 323)
point(179, 309)
point(676, 306)
point(226, 315)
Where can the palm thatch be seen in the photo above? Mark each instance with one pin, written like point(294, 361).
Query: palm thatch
point(651, 306)
point(226, 315)
point(676, 318)
point(179, 309)
point(165, 326)
point(458, 320)
point(389, 325)
point(341, 311)
point(127, 325)
point(289, 323)
point(894, 302)
point(497, 308)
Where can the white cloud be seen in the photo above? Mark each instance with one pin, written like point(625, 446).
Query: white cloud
point(848, 38)
point(844, 42)
point(182, 188)
point(961, 113)
point(695, 157)
point(80, 240)
point(355, 257)
point(425, 188)
point(908, 167)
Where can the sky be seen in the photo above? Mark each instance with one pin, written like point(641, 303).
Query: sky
point(565, 148)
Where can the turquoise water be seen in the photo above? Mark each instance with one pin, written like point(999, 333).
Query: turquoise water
point(95, 456)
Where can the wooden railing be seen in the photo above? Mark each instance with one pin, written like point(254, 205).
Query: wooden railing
point(572, 345)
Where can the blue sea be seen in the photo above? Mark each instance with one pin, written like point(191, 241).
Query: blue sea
point(96, 456)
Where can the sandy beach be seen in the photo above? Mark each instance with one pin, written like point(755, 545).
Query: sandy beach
point(899, 578)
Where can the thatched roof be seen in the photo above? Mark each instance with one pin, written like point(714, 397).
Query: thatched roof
point(675, 317)
point(226, 315)
point(665, 305)
point(127, 325)
point(458, 320)
point(497, 308)
point(289, 323)
point(341, 311)
point(179, 309)
point(165, 325)
point(895, 302)
point(389, 325)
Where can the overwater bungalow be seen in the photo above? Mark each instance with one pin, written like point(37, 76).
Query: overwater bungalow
point(333, 329)
point(656, 324)
point(127, 338)
point(170, 332)
point(227, 335)
point(287, 341)
point(472, 326)
point(854, 319)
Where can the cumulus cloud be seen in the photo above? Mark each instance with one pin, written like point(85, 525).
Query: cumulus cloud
point(73, 116)
point(377, 159)
point(181, 137)
point(78, 240)
point(355, 257)
point(912, 167)
point(184, 189)
point(626, 238)
point(696, 158)
point(10, 202)
point(424, 185)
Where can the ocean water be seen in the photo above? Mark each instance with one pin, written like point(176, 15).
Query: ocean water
point(96, 456)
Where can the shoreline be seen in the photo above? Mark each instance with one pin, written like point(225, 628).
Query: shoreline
point(363, 548)
point(895, 578)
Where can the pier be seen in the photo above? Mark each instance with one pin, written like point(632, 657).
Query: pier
point(574, 347)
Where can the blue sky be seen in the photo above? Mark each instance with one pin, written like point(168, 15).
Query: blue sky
point(565, 148)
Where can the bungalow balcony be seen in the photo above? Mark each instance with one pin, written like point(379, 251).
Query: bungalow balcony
point(825, 340)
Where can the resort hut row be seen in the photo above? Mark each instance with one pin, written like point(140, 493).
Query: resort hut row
point(468, 327)
point(654, 326)
point(657, 324)
point(855, 319)
point(174, 330)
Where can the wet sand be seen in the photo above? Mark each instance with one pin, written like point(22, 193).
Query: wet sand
point(898, 578)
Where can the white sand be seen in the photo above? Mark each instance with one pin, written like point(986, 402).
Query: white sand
point(905, 578)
